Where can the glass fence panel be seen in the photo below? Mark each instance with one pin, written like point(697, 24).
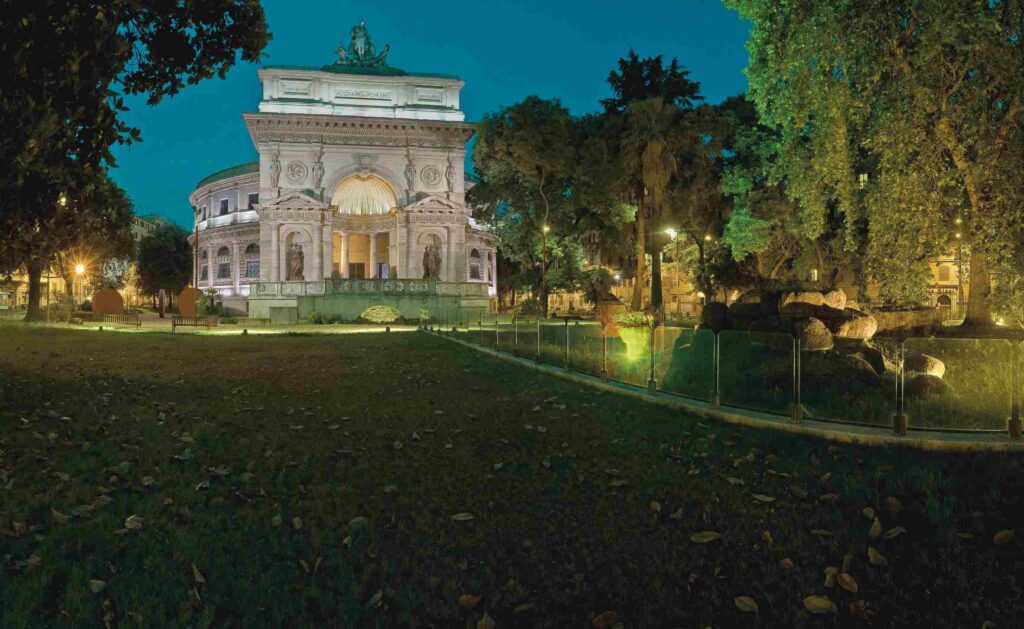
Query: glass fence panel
point(688, 363)
point(957, 383)
point(629, 354)
point(853, 383)
point(586, 347)
point(506, 335)
point(666, 338)
point(552, 343)
point(527, 337)
point(756, 370)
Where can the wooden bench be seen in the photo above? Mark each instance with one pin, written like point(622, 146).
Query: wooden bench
point(178, 321)
point(123, 319)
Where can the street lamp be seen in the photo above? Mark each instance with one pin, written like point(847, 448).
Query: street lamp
point(671, 233)
point(79, 271)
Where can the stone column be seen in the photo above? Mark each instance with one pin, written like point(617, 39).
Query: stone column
point(211, 266)
point(373, 254)
point(394, 246)
point(318, 253)
point(273, 259)
point(494, 269)
point(344, 254)
point(236, 257)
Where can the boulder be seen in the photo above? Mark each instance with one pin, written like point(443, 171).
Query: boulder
point(715, 316)
point(807, 297)
point(924, 384)
point(861, 327)
point(813, 334)
point(828, 371)
point(771, 324)
point(835, 298)
point(923, 364)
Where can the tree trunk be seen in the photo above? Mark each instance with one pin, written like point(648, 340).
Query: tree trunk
point(636, 303)
point(979, 287)
point(35, 273)
point(544, 275)
point(656, 297)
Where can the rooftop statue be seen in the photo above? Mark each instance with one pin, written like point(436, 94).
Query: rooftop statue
point(360, 51)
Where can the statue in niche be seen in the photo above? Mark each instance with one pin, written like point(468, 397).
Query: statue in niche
point(318, 169)
point(275, 170)
point(360, 51)
point(449, 175)
point(410, 171)
point(296, 262)
point(431, 263)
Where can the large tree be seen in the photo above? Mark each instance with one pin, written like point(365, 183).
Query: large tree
point(546, 187)
point(164, 260)
point(644, 142)
point(921, 97)
point(65, 68)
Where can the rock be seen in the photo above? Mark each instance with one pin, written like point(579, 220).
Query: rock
point(859, 327)
point(808, 297)
point(715, 316)
point(924, 384)
point(861, 349)
point(873, 357)
point(925, 365)
point(835, 298)
point(771, 324)
point(827, 371)
point(813, 335)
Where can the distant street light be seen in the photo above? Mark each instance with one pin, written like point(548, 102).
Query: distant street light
point(671, 233)
point(545, 229)
point(79, 269)
point(707, 237)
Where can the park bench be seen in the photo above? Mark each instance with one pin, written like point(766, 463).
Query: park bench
point(123, 319)
point(178, 321)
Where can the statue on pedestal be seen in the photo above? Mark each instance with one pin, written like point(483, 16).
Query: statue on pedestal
point(275, 170)
point(296, 262)
point(431, 263)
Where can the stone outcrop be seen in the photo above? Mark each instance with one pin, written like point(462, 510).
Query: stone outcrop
point(808, 297)
point(924, 384)
point(923, 364)
point(835, 298)
point(813, 334)
point(861, 327)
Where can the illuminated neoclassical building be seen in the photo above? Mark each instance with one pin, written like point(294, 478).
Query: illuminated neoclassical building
point(360, 176)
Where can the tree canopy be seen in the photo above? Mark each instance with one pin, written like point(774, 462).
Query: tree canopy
point(903, 118)
point(164, 260)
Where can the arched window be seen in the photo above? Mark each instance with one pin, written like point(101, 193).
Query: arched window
point(204, 266)
point(252, 261)
point(944, 272)
point(474, 265)
point(223, 263)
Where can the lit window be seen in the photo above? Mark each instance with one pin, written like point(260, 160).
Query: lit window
point(223, 263)
point(474, 265)
point(252, 261)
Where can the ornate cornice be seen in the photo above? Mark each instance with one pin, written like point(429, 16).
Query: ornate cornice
point(356, 131)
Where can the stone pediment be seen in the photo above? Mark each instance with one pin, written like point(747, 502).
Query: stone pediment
point(293, 200)
point(435, 203)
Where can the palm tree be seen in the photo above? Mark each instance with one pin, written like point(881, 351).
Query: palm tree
point(649, 148)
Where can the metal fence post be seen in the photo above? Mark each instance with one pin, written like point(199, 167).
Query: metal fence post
point(480, 324)
point(899, 418)
point(565, 358)
point(1015, 424)
point(515, 334)
point(497, 346)
point(796, 413)
point(537, 357)
point(652, 385)
point(716, 400)
point(604, 353)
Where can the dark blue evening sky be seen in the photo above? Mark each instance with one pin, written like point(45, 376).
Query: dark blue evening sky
point(503, 50)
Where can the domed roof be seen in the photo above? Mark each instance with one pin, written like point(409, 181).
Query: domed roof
point(364, 194)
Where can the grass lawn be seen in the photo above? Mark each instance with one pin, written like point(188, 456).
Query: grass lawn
point(312, 480)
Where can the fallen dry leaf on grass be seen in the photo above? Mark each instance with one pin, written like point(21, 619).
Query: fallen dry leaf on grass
point(704, 537)
point(746, 604)
point(605, 620)
point(817, 604)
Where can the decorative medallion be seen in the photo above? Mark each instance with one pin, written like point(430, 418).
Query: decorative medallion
point(296, 172)
point(430, 175)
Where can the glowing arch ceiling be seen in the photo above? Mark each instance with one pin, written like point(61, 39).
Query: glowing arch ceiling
point(364, 194)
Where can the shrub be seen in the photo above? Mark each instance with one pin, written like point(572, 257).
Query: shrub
point(86, 306)
point(335, 319)
point(597, 286)
point(633, 320)
point(425, 316)
point(530, 306)
point(381, 314)
point(209, 304)
point(316, 317)
point(230, 320)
